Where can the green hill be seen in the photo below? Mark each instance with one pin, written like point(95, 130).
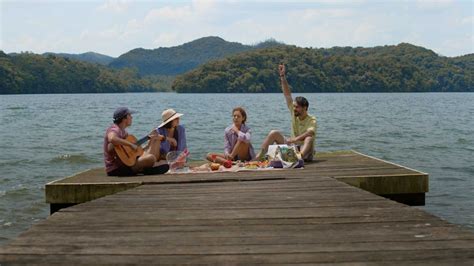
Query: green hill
point(32, 73)
point(400, 68)
point(179, 59)
point(89, 57)
point(249, 68)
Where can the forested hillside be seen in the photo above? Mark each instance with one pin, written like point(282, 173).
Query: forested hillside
point(32, 73)
point(215, 65)
point(89, 57)
point(179, 59)
point(400, 68)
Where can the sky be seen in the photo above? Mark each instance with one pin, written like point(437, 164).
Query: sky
point(114, 27)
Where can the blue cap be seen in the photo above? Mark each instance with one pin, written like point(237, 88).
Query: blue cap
point(122, 112)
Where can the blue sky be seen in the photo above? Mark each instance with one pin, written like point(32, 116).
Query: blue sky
point(115, 27)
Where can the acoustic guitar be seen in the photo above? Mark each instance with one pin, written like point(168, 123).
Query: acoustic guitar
point(127, 155)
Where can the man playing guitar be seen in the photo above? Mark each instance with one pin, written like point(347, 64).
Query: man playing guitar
point(116, 135)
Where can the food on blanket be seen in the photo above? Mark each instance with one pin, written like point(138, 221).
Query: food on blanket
point(256, 164)
point(214, 166)
point(228, 164)
point(251, 166)
point(201, 168)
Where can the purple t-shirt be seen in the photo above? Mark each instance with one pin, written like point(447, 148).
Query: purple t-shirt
point(231, 138)
point(111, 160)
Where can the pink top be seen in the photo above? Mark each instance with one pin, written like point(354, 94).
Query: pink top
point(111, 160)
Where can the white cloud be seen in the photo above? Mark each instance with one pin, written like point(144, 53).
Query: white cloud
point(117, 6)
point(315, 24)
point(452, 47)
point(169, 13)
point(467, 20)
point(167, 39)
point(321, 14)
point(433, 4)
point(198, 10)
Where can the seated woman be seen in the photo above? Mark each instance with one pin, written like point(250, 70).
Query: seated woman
point(237, 140)
point(174, 133)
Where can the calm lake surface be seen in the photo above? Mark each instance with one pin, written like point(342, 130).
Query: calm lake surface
point(48, 137)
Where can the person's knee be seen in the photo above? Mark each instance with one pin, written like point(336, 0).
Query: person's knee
point(150, 160)
point(145, 161)
point(242, 143)
point(309, 139)
point(274, 133)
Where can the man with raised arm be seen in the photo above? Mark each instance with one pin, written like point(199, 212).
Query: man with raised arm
point(303, 125)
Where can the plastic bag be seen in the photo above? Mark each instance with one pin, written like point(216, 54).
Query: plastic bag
point(284, 156)
point(177, 159)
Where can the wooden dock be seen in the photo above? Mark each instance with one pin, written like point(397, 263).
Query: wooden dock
point(382, 178)
point(289, 216)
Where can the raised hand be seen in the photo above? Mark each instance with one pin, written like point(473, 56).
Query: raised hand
point(282, 70)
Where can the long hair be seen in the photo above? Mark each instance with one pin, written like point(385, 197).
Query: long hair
point(242, 112)
point(168, 126)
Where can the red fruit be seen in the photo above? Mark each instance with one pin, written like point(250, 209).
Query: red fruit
point(228, 164)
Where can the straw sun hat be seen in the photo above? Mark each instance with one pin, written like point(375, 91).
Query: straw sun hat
point(169, 115)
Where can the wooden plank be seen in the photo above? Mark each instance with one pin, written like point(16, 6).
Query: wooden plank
point(440, 257)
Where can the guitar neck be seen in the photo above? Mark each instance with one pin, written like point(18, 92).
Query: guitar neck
point(143, 140)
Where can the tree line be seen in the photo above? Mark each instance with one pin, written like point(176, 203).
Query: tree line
point(400, 68)
point(32, 73)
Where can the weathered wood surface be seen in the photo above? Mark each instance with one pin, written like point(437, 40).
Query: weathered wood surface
point(368, 173)
point(304, 220)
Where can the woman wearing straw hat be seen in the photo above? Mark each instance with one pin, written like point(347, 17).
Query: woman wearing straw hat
point(175, 134)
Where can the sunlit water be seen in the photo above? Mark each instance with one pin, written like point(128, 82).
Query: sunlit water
point(47, 137)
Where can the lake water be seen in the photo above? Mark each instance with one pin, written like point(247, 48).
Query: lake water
point(48, 137)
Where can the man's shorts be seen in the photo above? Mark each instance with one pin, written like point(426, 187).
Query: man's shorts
point(122, 171)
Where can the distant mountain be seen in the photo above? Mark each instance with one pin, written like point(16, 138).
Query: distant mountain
point(32, 73)
point(212, 64)
point(400, 68)
point(180, 59)
point(89, 57)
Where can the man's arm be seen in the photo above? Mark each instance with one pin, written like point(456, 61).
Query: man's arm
point(308, 133)
point(284, 86)
point(115, 140)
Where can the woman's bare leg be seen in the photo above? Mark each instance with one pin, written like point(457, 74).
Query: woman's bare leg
point(219, 157)
point(241, 149)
